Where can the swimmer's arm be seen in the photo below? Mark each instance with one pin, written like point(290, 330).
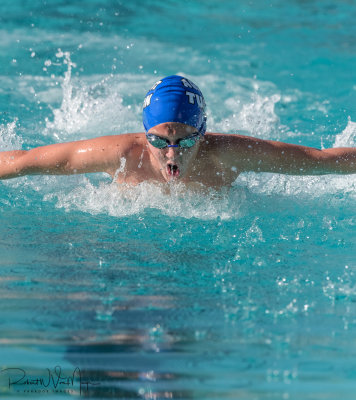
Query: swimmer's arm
point(84, 156)
point(252, 154)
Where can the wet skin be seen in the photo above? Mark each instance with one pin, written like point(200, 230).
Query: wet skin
point(198, 164)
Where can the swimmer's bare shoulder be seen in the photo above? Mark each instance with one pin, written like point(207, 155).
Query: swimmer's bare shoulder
point(101, 154)
point(247, 153)
point(109, 151)
point(231, 150)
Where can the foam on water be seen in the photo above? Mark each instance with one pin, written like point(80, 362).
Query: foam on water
point(171, 200)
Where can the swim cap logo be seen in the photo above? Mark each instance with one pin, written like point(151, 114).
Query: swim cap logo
point(147, 100)
point(188, 84)
point(155, 85)
point(194, 96)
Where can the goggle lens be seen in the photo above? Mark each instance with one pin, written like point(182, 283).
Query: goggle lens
point(161, 143)
point(156, 141)
point(188, 142)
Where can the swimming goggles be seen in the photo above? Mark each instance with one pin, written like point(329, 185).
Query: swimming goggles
point(161, 143)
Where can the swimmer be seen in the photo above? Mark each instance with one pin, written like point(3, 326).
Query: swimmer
point(176, 147)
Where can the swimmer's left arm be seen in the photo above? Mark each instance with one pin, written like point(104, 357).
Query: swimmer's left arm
point(252, 154)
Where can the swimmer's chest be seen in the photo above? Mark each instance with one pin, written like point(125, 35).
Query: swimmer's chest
point(206, 170)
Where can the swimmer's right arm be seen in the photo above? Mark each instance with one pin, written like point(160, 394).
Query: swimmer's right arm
point(94, 155)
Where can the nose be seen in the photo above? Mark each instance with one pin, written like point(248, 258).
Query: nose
point(171, 152)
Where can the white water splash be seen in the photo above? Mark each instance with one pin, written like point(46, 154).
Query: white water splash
point(347, 137)
point(172, 200)
point(257, 117)
point(9, 140)
point(307, 187)
point(88, 109)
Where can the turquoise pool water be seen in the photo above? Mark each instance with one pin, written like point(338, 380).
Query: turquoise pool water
point(247, 293)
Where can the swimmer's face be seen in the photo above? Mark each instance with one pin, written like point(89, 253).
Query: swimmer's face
point(173, 162)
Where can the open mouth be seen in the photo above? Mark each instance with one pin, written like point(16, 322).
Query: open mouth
point(172, 170)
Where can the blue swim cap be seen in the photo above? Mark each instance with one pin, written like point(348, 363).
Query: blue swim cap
point(174, 99)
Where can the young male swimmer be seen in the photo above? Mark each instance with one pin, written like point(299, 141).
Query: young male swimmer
point(175, 147)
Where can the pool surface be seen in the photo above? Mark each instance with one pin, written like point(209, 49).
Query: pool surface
point(111, 291)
